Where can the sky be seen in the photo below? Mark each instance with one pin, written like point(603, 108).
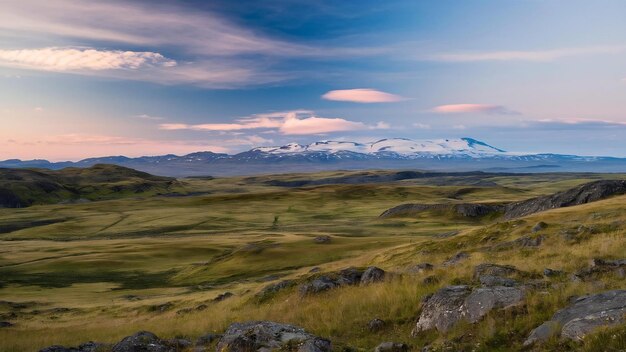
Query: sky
point(90, 78)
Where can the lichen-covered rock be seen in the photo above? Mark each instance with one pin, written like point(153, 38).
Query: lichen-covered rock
point(349, 276)
point(443, 309)
point(372, 274)
point(272, 289)
point(584, 315)
point(269, 336)
point(320, 284)
point(391, 347)
point(419, 268)
point(494, 270)
point(143, 341)
point(491, 281)
point(85, 347)
point(482, 300)
point(452, 304)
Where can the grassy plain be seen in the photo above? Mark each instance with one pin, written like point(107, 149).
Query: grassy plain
point(71, 273)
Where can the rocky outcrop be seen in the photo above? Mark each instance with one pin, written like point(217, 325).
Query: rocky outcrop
point(599, 267)
point(583, 316)
point(391, 347)
point(419, 268)
point(272, 289)
point(455, 259)
point(452, 304)
point(270, 336)
point(345, 277)
point(586, 193)
point(372, 275)
point(470, 210)
point(85, 347)
point(143, 341)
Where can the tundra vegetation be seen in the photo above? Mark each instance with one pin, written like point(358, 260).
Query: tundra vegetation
point(91, 258)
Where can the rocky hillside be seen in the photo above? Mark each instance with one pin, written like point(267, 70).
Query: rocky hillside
point(25, 187)
point(583, 194)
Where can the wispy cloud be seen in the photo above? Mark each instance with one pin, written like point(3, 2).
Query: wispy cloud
point(576, 123)
point(473, 108)
point(297, 122)
point(529, 55)
point(72, 59)
point(149, 117)
point(362, 95)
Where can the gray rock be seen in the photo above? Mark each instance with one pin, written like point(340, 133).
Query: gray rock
point(371, 275)
point(419, 268)
point(547, 272)
point(391, 347)
point(201, 307)
point(490, 281)
point(320, 284)
point(584, 315)
point(207, 339)
point(539, 226)
point(57, 348)
point(452, 304)
point(495, 270)
point(316, 269)
point(599, 267)
point(223, 296)
point(482, 300)
point(443, 309)
point(85, 347)
point(161, 307)
point(457, 258)
point(272, 289)
point(268, 336)
point(322, 239)
point(376, 324)
point(349, 276)
point(143, 341)
point(5, 324)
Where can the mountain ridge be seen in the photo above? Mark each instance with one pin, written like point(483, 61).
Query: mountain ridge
point(460, 154)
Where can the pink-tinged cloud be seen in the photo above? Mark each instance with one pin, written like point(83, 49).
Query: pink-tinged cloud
point(581, 121)
point(530, 55)
point(297, 122)
point(362, 95)
point(72, 59)
point(472, 108)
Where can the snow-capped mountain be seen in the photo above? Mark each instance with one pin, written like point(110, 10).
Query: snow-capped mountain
point(394, 147)
point(460, 154)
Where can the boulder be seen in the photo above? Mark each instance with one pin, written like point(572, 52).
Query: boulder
point(582, 316)
point(269, 336)
point(376, 324)
point(419, 268)
point(349, 276)
point(495, 270)
point(320, 284)
point(452, 304)
point(223, 296)
point(491, 281)
point(459, 257)
point(207, 339)
point(482, 300)
point(324, 239)
point(443, 309)
point(372, 274)
point(272, 289)
point(602, 266)
point(391, 347)
point(547, 272)
point(5, 324)
point(539, 226)
point(143, 341)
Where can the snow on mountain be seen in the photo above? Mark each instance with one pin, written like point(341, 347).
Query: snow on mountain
point(401, 147)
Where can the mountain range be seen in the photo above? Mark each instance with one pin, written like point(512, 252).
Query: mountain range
point(461, 154)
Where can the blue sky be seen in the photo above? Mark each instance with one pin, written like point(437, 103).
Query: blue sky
point(89, 78)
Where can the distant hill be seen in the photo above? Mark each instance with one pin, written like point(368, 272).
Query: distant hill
point(26, 187)
point(461, 154)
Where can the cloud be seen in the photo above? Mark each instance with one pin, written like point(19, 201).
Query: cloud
point(575, 123)
point(421, 126)
point(473, 108)
point(362, 95)
point(149, 117)
point(297, 122)
point(531, 55)
point(72, 59)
